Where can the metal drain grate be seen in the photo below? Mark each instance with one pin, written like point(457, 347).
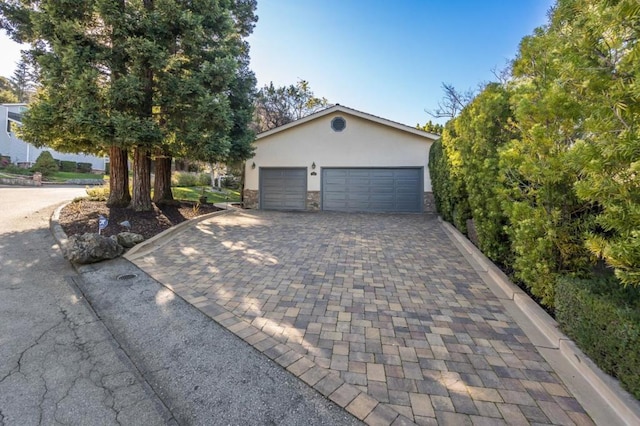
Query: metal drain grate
point(125, 277)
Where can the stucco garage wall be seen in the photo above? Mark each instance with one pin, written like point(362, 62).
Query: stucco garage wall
point(362, 143)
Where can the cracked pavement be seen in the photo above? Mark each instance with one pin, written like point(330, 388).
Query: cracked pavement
point(60, 364)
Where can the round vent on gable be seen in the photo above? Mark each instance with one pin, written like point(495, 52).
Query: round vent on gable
point(338, 124)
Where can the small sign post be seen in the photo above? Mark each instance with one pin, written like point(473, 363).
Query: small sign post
point(102, 223)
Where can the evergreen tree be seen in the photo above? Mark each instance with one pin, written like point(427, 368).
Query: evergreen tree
point(22, 81)
point(45, 164)
point(6, 92)
point(148, 77)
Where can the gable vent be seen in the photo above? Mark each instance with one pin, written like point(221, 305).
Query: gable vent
point(338, 124)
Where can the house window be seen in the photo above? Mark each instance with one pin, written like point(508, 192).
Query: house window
point(338, 124)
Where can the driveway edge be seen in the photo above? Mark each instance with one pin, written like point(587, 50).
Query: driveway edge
point(613, 399)
point(164, 237)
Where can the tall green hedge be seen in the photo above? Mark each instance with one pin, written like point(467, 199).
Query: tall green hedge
point(440, 180)
point(482, 128)
point(448, 184)
point(603, 318)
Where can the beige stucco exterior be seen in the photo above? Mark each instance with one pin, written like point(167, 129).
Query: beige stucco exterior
point(367, 141)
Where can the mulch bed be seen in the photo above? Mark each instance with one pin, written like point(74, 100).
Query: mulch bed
point(81, 216)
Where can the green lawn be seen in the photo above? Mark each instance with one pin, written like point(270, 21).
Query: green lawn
point(62, 176)
point(192, 193)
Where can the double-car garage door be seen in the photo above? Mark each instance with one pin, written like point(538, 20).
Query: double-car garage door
point(345, 189)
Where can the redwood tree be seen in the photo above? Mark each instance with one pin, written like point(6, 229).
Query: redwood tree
point(136, 77)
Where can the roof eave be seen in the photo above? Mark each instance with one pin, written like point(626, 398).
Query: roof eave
point(346, 110)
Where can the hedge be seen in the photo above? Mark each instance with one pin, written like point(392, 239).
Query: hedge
point(68, 166)
point(603, 318)
point(84, 167)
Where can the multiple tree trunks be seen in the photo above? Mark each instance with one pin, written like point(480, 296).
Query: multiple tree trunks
point(131, 79)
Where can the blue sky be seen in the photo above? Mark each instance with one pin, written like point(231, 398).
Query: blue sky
point(387, 58)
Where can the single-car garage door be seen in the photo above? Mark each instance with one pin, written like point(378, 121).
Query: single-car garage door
point(283, 189)
point(372, 190)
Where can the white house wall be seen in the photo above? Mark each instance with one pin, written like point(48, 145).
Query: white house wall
point(23, 152)
point(362, 143)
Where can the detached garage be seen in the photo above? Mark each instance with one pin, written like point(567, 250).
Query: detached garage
point(340, 159)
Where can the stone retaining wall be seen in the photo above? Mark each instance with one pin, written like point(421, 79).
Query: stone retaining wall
point(19, 182)
point(250, 199)
point(429, 205)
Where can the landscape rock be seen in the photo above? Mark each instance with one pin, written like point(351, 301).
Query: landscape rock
point(91, 248)
point(129, 239)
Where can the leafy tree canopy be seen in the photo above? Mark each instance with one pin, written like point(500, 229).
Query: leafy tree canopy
point(277, 106)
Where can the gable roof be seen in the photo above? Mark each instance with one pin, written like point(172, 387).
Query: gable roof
point(353, 112)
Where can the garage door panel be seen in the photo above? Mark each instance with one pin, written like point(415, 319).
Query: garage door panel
point(373, 189)
point(283, 189)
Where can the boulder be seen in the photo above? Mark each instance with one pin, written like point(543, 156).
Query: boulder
point(91, 248)
point(129, 239)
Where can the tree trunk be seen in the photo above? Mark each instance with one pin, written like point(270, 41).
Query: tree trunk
point(119, 195)
point(162, 184)
point(141, 200)
point(212, 173)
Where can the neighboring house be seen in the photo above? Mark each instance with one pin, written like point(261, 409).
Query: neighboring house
point(340, 159)
point(23, 153)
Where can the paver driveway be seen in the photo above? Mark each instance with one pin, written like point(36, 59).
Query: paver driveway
point(380, 313)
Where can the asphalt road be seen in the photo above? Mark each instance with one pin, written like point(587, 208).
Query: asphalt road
point(131, 352)
point(58, 362)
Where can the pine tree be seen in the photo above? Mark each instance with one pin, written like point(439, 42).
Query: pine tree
point(22, 81)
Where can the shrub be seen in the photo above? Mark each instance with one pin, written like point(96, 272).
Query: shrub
point(439, 173)
point(603, 318)
point(203, 179)
point(482, 128)
point(448, 186)
point(45, 164)
point(98, 193)
point(4, 161)
point(84, 167)
point(68, 166)
point(16, 170)
point(184, 179)
point(230, 182)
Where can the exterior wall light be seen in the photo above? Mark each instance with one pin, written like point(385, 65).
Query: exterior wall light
point(253, 165)
point(313, 165)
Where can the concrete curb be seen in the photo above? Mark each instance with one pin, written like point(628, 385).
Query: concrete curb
point(163, 238)
point(56, 228)
point(141, 249)
point(228, 206)
point(622, 404)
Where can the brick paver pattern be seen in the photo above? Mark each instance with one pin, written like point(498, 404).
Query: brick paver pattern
point(380, 313)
